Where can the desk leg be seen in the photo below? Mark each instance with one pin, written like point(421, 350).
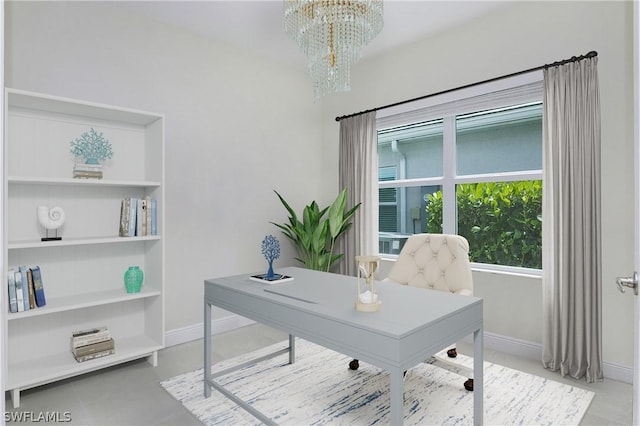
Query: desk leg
point(478, 373)
point(207, 349)
point(397, 397)
point(292, 349)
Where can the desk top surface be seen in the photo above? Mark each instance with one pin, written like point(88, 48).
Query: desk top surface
point(404, 309)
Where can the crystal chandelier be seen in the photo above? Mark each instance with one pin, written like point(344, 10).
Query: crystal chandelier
point(331, 33)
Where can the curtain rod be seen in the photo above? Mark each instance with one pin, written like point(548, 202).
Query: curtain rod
point(591, 54)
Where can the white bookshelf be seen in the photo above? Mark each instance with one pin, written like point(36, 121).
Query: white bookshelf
point(82, 273)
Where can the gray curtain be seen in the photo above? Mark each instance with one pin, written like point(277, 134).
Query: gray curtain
point(571, 260)
point(358, 172)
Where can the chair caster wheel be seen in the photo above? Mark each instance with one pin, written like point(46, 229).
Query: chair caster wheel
point(468, 385)
point(354, 365)
point(452, 353)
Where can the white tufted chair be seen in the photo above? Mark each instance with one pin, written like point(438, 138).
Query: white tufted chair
point(434, 261)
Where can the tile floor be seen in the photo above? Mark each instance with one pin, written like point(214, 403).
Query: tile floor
point(130, 394)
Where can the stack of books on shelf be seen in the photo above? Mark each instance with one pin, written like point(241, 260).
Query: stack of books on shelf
point(138, 217)
point(87, 171)
point(92, 343)
point(25, 289)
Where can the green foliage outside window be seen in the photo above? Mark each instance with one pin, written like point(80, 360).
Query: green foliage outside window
point(501, 220)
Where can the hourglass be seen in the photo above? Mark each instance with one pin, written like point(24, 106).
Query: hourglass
point(367, 299)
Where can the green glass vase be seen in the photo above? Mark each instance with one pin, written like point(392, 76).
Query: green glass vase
point(133, 278)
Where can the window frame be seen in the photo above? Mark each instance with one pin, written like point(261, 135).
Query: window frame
point(450, 178)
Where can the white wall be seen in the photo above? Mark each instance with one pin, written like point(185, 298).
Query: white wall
point(231, 122)
point(519, 37)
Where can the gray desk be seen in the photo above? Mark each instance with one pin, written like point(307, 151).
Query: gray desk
point(412, 324)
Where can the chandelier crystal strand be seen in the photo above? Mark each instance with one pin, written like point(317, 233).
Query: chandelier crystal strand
point(331, 33)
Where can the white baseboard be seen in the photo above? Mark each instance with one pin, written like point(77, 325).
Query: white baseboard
point(196, 331)
point(621, 373)
point(509, 345)
point(531, 350)
point(512, 346)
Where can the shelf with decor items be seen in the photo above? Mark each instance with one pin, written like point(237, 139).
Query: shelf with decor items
point(84, 262)
point(14, 245)
point(78, 182)
point(57, 365)
point(82, 301)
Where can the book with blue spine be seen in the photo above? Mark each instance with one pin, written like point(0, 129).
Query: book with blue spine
point(25, 286)
point(154, 216)
point(38, 289)
point(11, 283)
point(19, 294)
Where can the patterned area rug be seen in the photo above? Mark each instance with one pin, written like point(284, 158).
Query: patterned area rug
point(319, 389)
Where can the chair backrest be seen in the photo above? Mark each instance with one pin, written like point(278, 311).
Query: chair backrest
point(436, 261)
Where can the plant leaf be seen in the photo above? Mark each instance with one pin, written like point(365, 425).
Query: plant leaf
point(336, 214)
point(286, 206)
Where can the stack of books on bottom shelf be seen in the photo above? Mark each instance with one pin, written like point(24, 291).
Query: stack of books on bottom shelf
point(92, 343)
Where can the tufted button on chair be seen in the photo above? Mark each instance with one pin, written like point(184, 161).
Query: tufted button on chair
point(436, 262)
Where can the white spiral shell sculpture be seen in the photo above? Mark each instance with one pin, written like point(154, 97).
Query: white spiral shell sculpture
point(51, 218)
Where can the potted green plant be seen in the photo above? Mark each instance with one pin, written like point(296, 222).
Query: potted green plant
point(315, 236)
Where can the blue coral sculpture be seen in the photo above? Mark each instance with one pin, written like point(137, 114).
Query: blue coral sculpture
point(92, 146)
point(271, 251)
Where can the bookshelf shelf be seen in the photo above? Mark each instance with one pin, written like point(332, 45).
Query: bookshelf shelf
point(82, 273)
point(83, 301)
point(56, 366)
point(15, 245)
point(27, 180)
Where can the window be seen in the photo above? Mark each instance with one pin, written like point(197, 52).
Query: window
point(476, 170)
